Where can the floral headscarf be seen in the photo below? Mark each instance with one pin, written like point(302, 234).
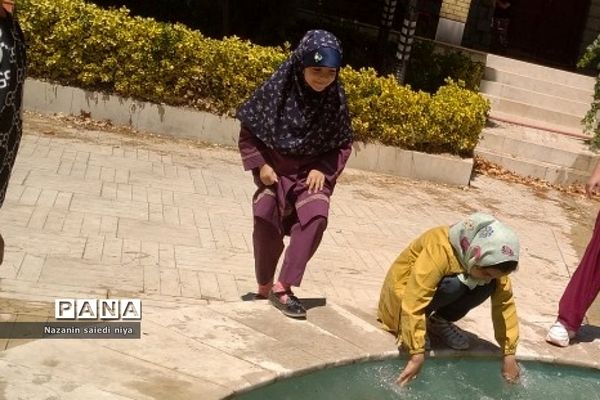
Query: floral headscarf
point(289, 117)
point(481, 240)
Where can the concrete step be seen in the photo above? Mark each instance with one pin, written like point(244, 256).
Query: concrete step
point(540, 72)
point(537, 124)
point(532, 112)
point(539, 85)
point(531, 152)
point(532, 168)
point(537, 99)
point(536, 145)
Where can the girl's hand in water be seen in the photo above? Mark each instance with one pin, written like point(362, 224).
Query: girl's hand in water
point(510, 369)
point(411, 370)
point(267, 175)
point(315, 181)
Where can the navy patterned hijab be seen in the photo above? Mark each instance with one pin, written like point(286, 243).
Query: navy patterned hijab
point(291, 118)
point(12, 76)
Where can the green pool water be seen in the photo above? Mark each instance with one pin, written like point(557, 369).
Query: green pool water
point(460, 379)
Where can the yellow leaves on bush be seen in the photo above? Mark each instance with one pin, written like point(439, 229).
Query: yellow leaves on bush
point(77, 43)
point(449, 121)
point(458, 115)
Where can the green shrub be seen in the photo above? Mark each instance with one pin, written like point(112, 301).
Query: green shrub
point(384, 111)
point(80, 44)
point(428, 69)
point(591, 59)
point(457, 117)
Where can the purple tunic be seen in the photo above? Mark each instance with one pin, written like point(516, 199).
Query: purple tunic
point(290, 195)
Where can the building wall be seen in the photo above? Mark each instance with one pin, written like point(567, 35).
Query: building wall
point(592, 26)
point(455, 10)
point(451, 24)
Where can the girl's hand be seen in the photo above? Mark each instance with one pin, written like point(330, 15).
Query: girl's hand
point(411, 370)
point(592, 185)
point(267, 175)
point(510, 369)
point(315, 181)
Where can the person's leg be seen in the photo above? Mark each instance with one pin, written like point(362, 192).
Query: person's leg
point(304, 241)
point(580, 293)
point(452, 301)
point(268, 246)
point(469, 300)
point(503, 34)
point(584, 285)
point(449, 290)
point(495, 42)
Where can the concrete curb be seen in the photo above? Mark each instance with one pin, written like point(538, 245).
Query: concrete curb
point(182, 122)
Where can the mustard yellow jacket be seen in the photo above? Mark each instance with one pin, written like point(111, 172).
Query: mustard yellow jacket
point(412, 281)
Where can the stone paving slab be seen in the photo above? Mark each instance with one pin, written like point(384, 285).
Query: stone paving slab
point(95, 214)
point(101, 370)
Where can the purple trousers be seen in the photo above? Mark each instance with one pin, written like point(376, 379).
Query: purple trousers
point(584, 285)
point(268, 246)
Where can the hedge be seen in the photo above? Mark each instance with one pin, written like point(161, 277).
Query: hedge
point(429, 67)
point(79, 44)
point(591, 121)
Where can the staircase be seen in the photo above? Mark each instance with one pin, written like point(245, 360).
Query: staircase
point(535, 128)
point(535, 95)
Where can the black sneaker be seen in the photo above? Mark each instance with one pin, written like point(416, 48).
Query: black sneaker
point(292, 308)
point(450, 334)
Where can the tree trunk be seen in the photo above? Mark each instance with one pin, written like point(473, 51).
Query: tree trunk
point(385, 25)
point(407, 35)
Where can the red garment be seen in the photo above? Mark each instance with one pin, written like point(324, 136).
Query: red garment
point(584, 285)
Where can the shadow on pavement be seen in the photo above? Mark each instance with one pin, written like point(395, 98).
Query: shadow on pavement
point(251, 296)
point(314, 302)
point(307, 302)
point(587, 334)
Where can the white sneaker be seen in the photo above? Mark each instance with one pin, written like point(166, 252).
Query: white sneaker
point(449, 333)
point(559, 335)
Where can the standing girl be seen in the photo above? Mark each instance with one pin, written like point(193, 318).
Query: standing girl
point(12, 77)
point(296, 139)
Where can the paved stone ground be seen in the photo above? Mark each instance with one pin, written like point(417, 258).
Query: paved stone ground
point(95, 214)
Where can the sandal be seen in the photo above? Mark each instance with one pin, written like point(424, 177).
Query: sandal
point(292, 308)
